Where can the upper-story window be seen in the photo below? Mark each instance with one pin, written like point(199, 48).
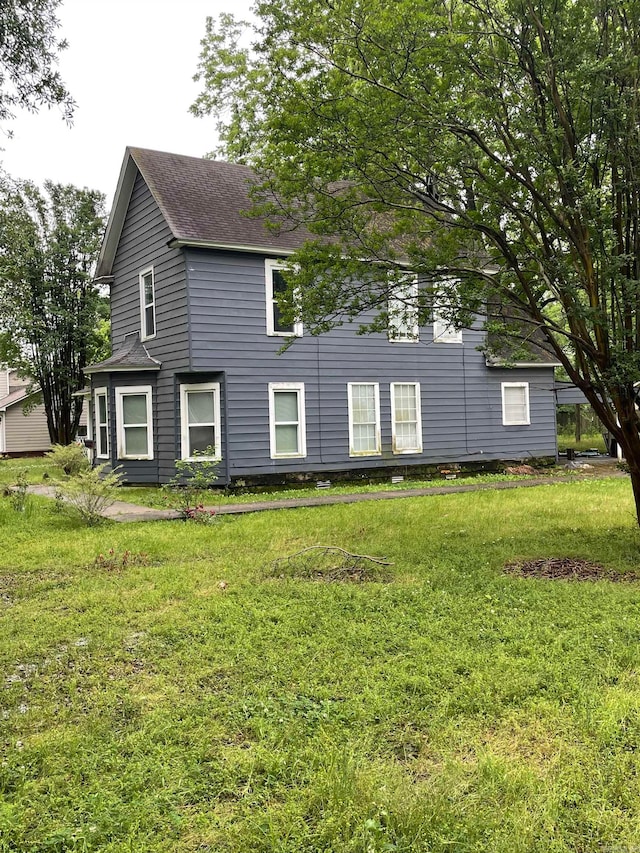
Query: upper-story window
point(147, 304)
point(402, 312)
point(276, 287)
point(444, 332)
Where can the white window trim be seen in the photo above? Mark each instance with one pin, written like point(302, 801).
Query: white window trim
point(409, 292)
point(274, 387)
point(444, 332)
point(527, 418)
point(101, 452)
point(376, 392)
point(408, 450)
point(120, 431)
point(184, 419)
point(143, 306)
point(269, 267)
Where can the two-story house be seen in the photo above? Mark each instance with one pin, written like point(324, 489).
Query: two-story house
point(196, 336)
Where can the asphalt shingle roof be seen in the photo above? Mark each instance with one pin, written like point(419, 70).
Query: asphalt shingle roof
point(131, 355)
point(14, 397)
point(206, 201)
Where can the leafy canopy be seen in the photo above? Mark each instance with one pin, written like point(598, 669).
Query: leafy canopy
point(491, 147)
point(49, 305)
point(28, 54)
point(495, 143)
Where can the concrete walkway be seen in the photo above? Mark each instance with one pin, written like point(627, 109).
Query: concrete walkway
point(123, 511)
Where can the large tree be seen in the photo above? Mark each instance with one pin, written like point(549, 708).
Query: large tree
point(28, 55)
point(493, 146)
point(50, 307)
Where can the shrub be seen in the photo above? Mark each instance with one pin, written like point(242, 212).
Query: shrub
point(188, 488)
point(17, 493)
point(89, 493)
point(70, 457)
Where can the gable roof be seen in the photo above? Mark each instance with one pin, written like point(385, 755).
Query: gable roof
point(17, 396)
point(204, 203)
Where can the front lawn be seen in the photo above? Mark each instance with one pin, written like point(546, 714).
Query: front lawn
point(174, 695)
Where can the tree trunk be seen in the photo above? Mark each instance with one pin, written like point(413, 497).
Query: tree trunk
point(630, 443)
point(578, 423)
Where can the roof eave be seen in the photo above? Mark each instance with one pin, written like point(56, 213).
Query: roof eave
point(116, 219)
point(179, 243)
point(127, 368)
point(525, 364)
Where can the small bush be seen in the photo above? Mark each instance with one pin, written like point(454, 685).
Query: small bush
point(200, 514)
point(188, 488)
point(17, 493)
point(89, 493)
point(70, 457)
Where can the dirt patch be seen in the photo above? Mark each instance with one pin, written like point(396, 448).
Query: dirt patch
point(567, 568)
point(522, 470)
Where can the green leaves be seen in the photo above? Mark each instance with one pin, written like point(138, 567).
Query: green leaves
point(491, 143)
point(28, 54)
point(49, 304)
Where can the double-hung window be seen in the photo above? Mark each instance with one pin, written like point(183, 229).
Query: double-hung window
point(147, 304)
point(515, 404)
point(286, 420)
point(402, 312)
point(200, 416)
point(364, 418)
point(276, 287)
point(134, 422)
point(444, 332)
point(406, 418)
point(101, 409)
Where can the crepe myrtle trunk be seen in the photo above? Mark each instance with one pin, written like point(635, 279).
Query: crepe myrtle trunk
point(63, 412)
point(629, 438)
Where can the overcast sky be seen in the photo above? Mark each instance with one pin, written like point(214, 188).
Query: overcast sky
point(129, 66)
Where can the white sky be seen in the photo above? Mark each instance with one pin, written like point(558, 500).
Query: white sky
point(129, 67)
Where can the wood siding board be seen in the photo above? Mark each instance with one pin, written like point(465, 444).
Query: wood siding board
point(26, 433)
point(461, 397)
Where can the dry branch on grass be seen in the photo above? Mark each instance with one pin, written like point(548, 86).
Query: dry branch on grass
point(567, 568)
point(330, 563)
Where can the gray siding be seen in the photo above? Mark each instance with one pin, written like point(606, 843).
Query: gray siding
point(461, 397)
point(143, 244)
point(211, 326)
point(132, 470)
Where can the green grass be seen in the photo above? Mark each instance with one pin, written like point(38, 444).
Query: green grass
point(38, 470)
point(594, 441)
point(156, 497)
point(196, 704)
